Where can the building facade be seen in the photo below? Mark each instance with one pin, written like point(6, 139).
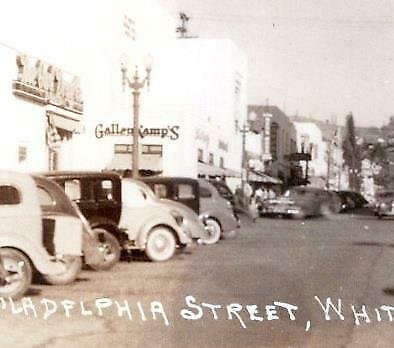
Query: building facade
point(279, 140)
point(190, 115)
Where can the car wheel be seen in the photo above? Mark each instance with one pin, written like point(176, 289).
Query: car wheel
point(213, 232)
point(325, 210)
point(160, 245)
point(19, 273)
point(300, 215)
point(109, 249)
point(73, 267)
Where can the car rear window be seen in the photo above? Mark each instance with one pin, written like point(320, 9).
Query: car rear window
point(9, 195)
point(185, 191)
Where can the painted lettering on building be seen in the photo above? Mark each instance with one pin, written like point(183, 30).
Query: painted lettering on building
point(46, 84)
point(114, 129)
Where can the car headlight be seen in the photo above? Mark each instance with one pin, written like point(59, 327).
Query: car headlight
point(177, 217)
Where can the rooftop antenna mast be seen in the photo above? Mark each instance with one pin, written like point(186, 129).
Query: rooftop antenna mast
point(182, 30)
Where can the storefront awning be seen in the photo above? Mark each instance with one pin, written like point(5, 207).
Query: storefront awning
point(66, 123)
point(205, 169)
point(258, 176)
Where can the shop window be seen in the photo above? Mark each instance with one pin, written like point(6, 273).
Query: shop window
point(152, 150)
point(185, 191)
point(123, 148)
point(9, 195)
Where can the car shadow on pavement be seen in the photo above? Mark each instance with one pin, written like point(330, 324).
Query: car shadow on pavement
point(388, 291)
point(33, 292)
point(373, 243)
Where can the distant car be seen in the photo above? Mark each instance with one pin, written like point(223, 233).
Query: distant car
point(351, 200)
point(300, 202)
point(384, 205)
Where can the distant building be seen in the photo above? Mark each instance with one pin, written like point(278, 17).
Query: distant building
point(279, 140)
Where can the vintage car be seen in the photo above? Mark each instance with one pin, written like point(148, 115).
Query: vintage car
point(214, 211)
point(351, 200)
point(384, 205)
point(99, 198)
point(153, 226)
point(53, 200)
point(300, 202)
point(32, 238)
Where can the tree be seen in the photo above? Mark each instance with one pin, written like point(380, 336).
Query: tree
point(352, 154)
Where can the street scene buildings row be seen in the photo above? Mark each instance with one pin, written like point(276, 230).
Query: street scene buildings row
point(65, 104)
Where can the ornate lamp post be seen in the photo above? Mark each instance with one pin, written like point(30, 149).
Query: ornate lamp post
point(135, 84)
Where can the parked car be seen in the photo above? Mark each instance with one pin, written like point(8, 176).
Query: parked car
point(53, 200)
point(99, 198)
point(202, 197)
point(300, 202)
point(33, 238)
point(351, 200)
point(154, 226)
point(226, 193)
point(384, 205)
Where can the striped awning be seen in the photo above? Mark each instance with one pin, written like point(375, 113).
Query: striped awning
point(258, 176)
point(205, 169)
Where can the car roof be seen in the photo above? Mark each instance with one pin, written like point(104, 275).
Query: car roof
point(159, 179)
point(80, 174)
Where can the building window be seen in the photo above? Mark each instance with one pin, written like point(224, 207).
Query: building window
point(221, 162)
point(274, 141)
point(129, 27)
point(200, 155)
point(237, 102)
point(211, 158)
point(22, 153)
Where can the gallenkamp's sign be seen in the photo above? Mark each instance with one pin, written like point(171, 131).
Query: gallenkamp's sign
point(46, 84)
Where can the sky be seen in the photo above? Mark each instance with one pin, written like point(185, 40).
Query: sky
point(317, 58)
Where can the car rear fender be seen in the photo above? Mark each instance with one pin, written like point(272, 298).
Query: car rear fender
point(41, 260)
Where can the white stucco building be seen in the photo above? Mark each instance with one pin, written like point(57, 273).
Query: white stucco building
point(189, 116)
point(310, 139)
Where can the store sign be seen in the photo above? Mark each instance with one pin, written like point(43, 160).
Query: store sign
point(114, 129)
point(299, 156)
point(45, 84)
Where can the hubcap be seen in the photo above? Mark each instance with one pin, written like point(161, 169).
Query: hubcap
point(160, 243)
point(15, 274)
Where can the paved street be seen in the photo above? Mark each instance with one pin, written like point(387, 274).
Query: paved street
point(293, 262)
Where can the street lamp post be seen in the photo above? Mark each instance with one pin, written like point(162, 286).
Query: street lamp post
point(135, 84)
